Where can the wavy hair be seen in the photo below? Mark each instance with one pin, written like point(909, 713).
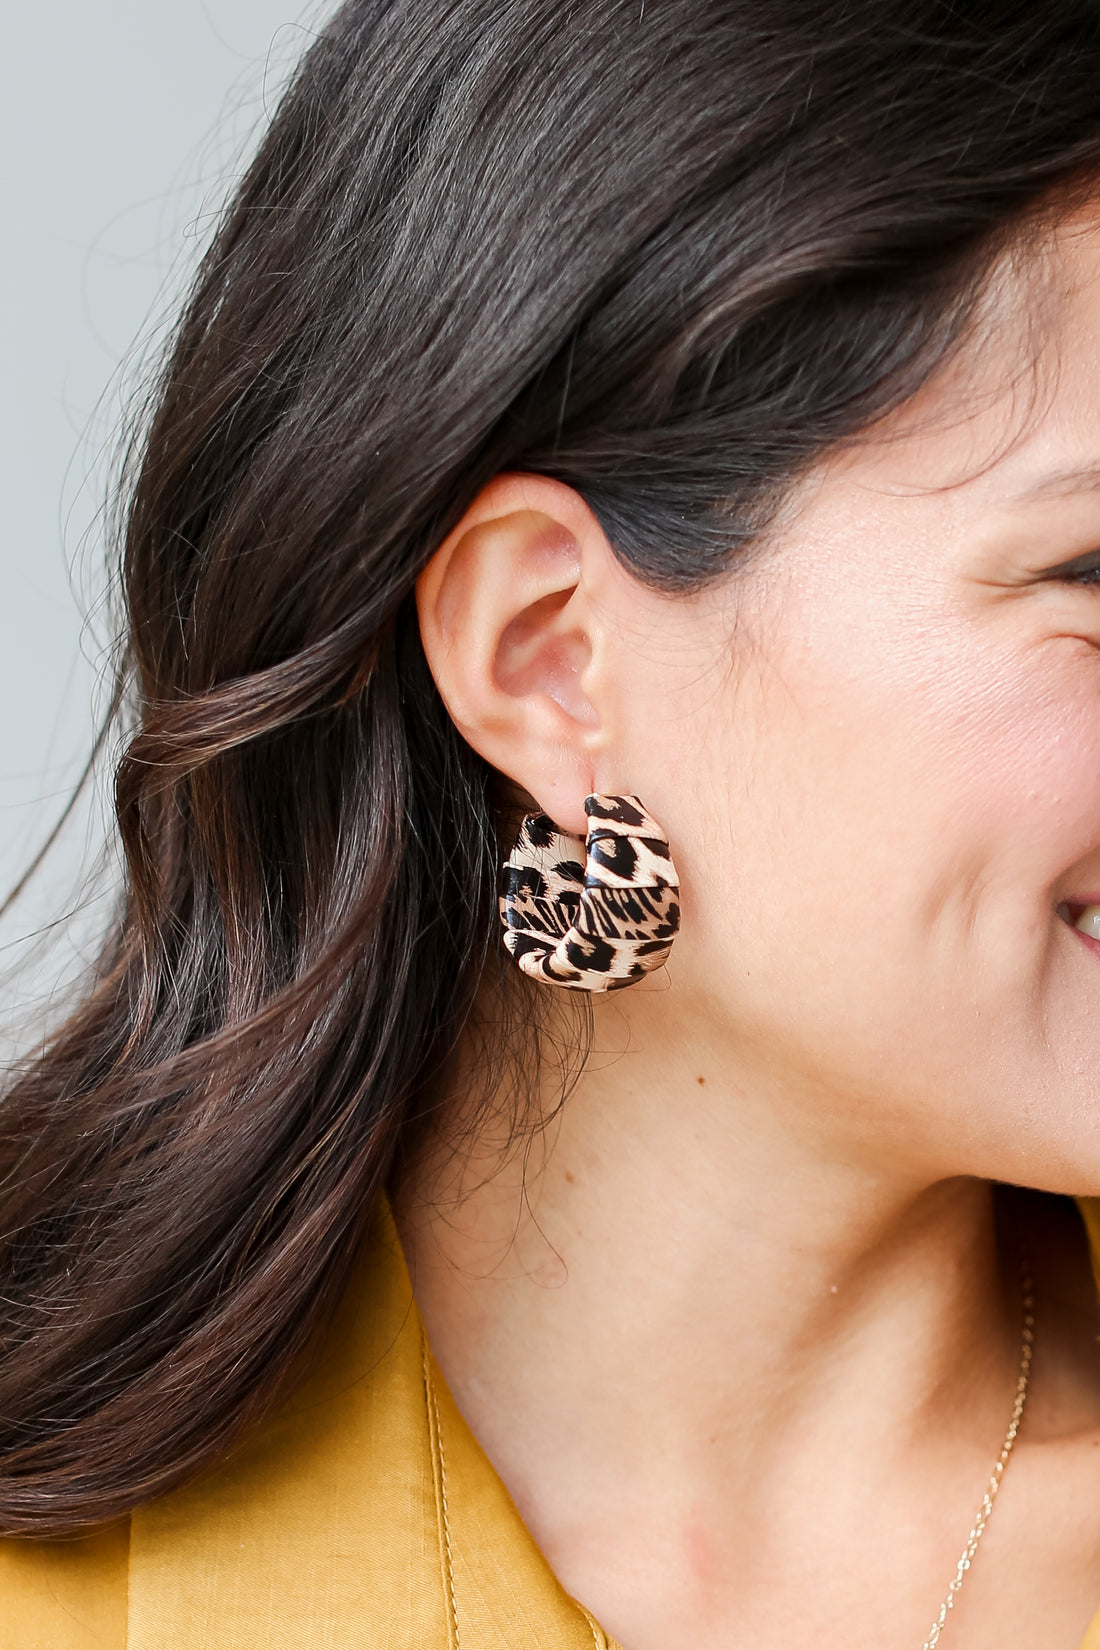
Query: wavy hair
point(667, 251)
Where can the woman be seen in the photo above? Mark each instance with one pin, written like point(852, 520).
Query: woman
point(655, 442)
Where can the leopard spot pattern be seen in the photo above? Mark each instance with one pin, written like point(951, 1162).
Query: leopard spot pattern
point(594, 915)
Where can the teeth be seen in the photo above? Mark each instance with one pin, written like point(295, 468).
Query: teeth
point(1089, 921)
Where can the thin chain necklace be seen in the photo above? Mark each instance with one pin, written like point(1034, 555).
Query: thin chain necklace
point(990, 1496)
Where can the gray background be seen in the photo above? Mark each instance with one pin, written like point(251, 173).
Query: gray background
point(121, 126)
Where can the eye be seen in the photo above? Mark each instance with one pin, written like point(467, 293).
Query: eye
point(1081, 570)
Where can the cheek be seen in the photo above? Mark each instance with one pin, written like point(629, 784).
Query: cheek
point(909, 775)
point(1012, 761)
point(878, 829)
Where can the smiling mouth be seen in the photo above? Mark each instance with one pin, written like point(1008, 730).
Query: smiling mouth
point(1085, 918)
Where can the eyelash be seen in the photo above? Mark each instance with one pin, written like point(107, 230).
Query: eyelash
point(1083, 576)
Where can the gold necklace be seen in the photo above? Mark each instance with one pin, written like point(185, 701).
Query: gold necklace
point(978, 1529)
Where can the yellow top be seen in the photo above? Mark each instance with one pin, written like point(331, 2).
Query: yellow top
point(362, 1516)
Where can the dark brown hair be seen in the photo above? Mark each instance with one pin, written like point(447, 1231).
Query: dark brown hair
point(667, 251)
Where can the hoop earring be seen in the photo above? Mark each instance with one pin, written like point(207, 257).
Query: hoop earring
point(591, 916)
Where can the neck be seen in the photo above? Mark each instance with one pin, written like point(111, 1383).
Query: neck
point(691, 1288)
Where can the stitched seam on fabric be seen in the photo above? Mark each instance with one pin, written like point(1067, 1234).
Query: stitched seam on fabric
point(439, 1466)
point(599, 1637)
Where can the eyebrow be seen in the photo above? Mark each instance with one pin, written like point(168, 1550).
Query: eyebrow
point(1079, 478)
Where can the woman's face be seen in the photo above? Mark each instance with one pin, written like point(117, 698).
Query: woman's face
point(880, 792)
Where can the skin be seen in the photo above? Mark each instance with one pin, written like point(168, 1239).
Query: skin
point(740, 1331)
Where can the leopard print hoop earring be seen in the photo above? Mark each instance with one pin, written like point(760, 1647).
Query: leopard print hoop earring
point(594, 915)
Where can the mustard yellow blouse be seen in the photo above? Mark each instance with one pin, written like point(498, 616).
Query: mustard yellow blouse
point(362, 1516)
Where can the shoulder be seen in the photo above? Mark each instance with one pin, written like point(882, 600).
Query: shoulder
point(362, 1516)
point(66, 1595)
point(323, 1517)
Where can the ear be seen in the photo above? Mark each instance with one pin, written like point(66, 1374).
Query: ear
point(513, 637)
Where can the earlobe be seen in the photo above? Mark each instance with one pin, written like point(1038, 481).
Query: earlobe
point(509, 634)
